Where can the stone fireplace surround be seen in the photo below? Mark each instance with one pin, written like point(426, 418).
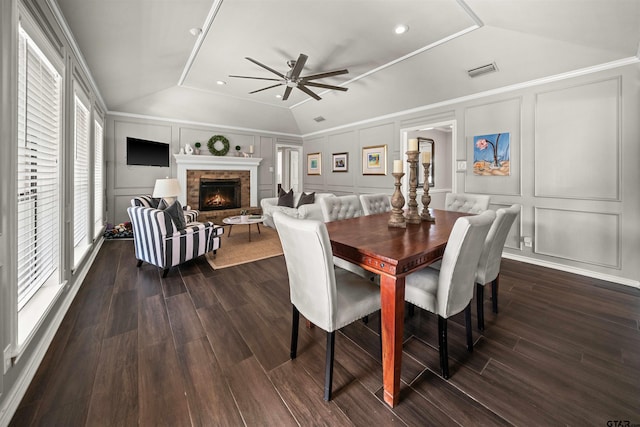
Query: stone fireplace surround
point(192, 167)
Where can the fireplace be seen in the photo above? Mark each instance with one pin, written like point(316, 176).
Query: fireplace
point(218, 194)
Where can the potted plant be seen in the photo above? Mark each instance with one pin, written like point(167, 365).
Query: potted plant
point(198, 145)
point(238, 148)
point(244, 215)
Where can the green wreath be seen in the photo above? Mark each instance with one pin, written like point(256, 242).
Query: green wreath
point(212, 142)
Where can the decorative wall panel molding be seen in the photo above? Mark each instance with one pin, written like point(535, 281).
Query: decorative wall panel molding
point(587, 237)
point(577, 142)
point(490, 118)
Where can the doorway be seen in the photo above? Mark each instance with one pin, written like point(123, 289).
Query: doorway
point(288, 168)
point(442, 135)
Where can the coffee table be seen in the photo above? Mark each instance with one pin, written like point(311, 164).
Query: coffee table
point(237, 220)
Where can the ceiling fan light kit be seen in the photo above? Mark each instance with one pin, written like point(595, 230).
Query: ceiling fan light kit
point(292, 79)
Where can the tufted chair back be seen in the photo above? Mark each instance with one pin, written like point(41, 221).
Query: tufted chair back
point(489, 264)
point(343, 207)
point(464, 202)
point(375, 203)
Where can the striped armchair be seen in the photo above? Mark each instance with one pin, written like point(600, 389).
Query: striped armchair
point(190, 215)
point(158, 242)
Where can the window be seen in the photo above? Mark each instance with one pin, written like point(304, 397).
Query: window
point(80, 178)
point(98, 181)
point(38, 170)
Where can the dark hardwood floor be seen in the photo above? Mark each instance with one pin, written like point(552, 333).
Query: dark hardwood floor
point(205, 347)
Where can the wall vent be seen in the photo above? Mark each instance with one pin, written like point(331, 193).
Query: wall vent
point(319, 119)
point(489, 68)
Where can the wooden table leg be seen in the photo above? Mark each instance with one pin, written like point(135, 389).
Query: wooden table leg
point(249, 232)
point(392, 301)
point(230, 227)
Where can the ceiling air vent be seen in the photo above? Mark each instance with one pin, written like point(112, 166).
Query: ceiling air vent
point(489, 68)
point(319, 119)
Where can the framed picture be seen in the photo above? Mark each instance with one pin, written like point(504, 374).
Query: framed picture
point(426, 145)
point(491, 154)
point(374, 160)
point(314, 166)
point(340, 162)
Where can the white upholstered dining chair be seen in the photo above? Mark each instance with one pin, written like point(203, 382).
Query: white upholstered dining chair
point(375, 203)
point(339, 208)
point(328, 297)
point(489, 264)
point(465, 202)
point(449, 291)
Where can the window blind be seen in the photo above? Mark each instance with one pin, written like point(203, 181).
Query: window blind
point(39, 109)
point(98, 183)
point(81, 174)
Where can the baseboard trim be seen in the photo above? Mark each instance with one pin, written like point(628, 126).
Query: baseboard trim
point(14, 395)
point(575, 270)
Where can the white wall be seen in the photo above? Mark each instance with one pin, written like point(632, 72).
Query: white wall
point(124, 181)
point(574, 155)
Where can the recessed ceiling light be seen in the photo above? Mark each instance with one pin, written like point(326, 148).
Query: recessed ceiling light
point(401, 29)
point(278, 96)
point(195, 31)
point(221, 82)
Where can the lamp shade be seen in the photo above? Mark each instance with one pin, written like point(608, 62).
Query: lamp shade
point(168, 187)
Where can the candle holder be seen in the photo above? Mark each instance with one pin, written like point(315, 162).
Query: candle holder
point(412, 216)
point(426, 198)
point(397, 203)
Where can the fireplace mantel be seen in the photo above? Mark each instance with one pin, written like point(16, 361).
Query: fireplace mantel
point(187, 162)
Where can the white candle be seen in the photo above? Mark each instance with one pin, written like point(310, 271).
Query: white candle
point(397, 166)
point(413, 144)
point(426, 157)
point(251, 149)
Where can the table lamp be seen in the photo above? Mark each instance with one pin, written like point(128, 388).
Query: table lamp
point(168, 189)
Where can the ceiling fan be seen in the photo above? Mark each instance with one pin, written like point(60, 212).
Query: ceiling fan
point(293, 79)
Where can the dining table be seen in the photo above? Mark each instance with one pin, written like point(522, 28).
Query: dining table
point(393, 253)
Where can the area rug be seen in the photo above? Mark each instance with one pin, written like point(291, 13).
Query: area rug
point(237, 249)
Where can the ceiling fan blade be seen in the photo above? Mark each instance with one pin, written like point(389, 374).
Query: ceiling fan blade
point(287, 92)
point(308, 92)
point(256, 78)
point(327, 74)
point(265, 67)
point(265, 88)
point(297, 69)
point(324, 86)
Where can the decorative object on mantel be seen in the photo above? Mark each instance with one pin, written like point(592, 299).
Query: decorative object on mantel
point(197, 149)
point(397, 199)
point(218, 145)
point(412, 159)
point(238, 148)
point(251, 150)
point(426, 198)
point(188, 149)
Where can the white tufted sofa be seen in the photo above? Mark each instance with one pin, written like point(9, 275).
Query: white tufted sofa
point(463, 202)
point(310, 211)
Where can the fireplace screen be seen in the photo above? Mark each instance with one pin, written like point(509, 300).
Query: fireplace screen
point(217, 194)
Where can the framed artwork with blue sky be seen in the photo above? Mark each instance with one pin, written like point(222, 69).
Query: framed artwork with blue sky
point(491, 154)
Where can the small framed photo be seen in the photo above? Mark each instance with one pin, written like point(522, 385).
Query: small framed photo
point(314, 166)
point(340, 162)
point(374, 160)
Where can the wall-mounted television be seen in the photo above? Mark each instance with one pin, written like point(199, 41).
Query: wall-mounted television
point(147, 153)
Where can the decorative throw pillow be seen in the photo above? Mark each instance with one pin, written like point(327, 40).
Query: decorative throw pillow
point(306, 199)
point(162, 205)
point(177, 216)
point(155, 201)
point(285, 199)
